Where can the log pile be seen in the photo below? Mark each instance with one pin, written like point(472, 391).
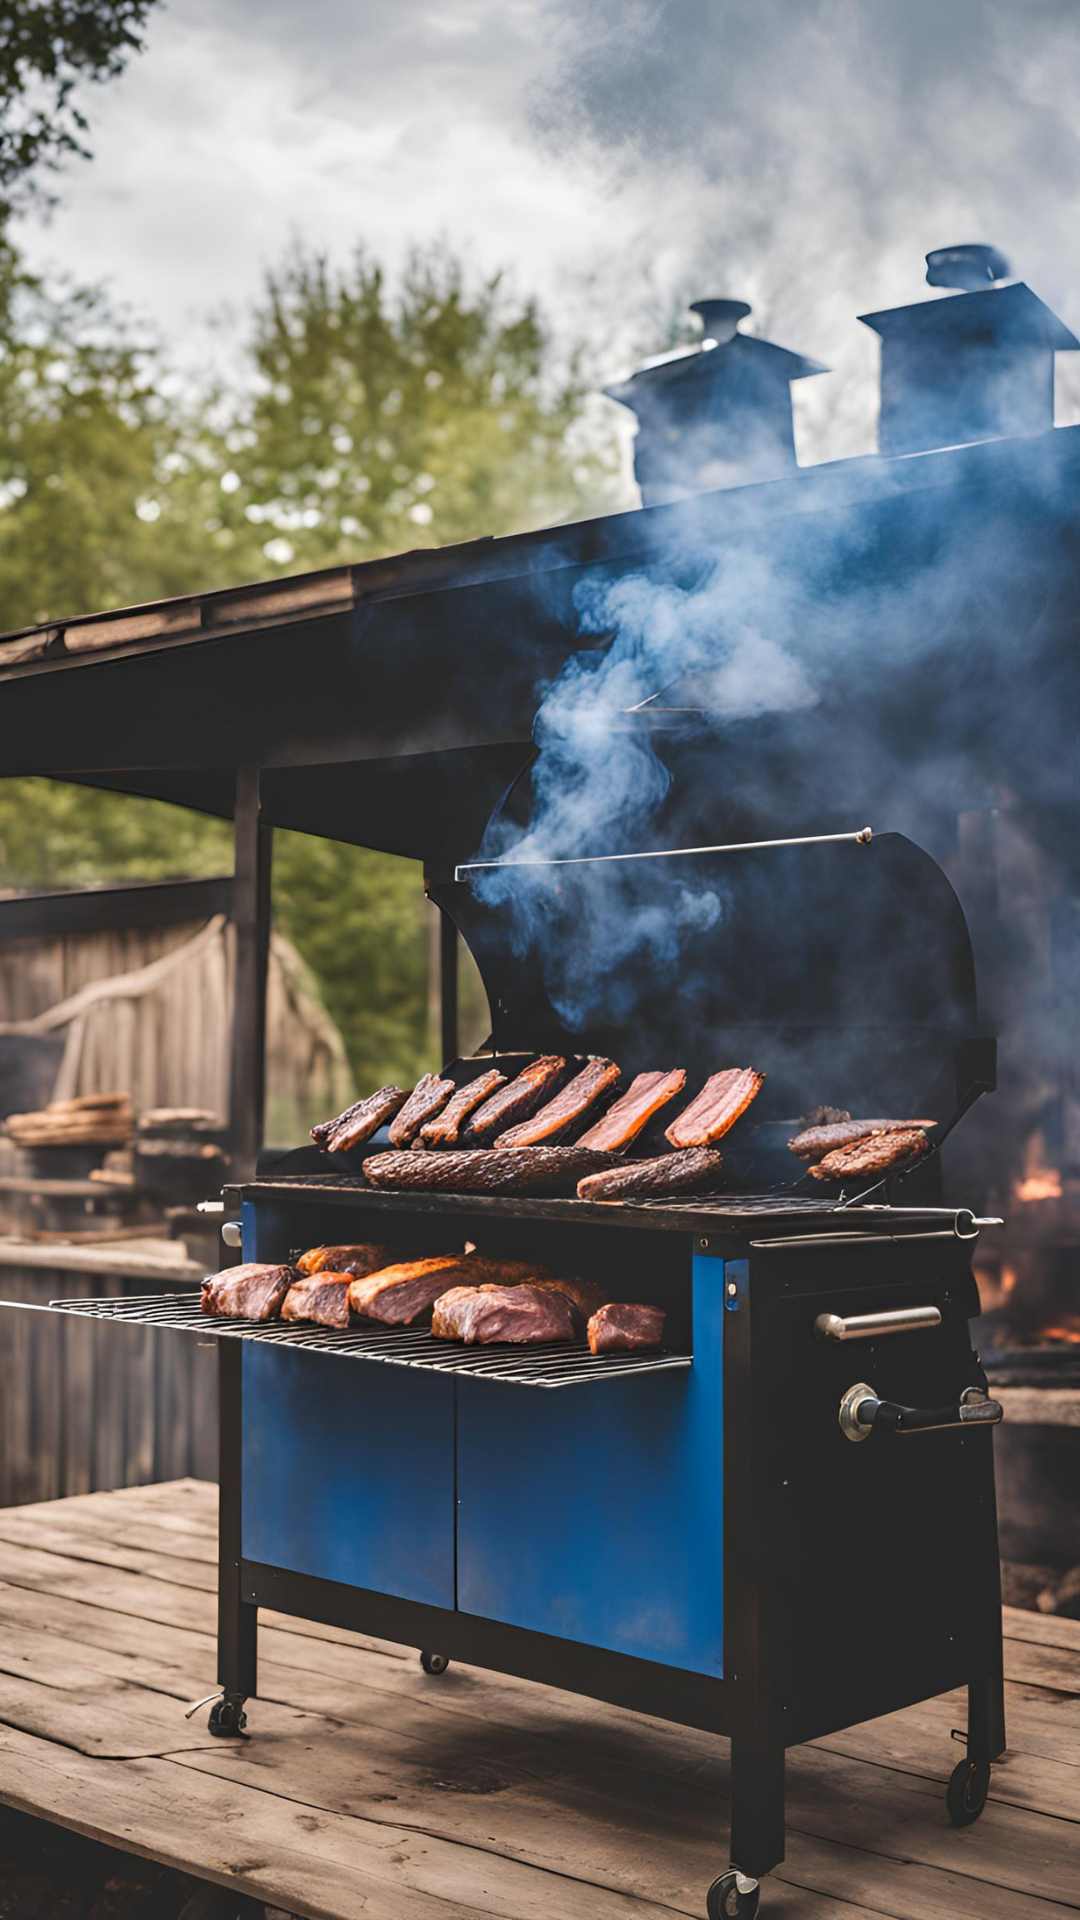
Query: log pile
point(93, 1119)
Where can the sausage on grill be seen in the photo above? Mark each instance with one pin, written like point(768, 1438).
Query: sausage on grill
point(645, 1095)
point(723, 1098)
point(492, 1170)
point(876, 1154)
point(671, 1173)
point(557, 1115)
point(844, 1133)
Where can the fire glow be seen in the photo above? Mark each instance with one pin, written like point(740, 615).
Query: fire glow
point(1043, 1185)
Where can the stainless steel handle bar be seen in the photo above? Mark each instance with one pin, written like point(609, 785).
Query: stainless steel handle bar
point(869, 1326)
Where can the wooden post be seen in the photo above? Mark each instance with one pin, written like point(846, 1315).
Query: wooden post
point(448, 988)
point(251, 934)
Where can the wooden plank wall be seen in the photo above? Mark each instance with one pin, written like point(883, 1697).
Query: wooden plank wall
point(87, 1406)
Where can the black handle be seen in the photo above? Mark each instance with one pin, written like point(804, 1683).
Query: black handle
point(861, 1413)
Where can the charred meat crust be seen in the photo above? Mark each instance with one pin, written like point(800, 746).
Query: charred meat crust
point(360, 1121)
point(714, 1111)
point(689, 1171)
point(844, 1133)
point(446, 1126)
point(428, 1097)
point(517, 1099)
point(485, 1169)
point(875, 1154)
point(356, 1260)
point(567, 1107)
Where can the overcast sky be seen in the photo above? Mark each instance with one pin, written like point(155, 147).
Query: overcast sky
point(803, 154)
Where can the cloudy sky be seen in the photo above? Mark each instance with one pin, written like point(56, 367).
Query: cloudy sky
point(803, 154)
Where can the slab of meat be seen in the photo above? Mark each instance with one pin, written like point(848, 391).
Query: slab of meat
point(492, 1170)
point(490, 1315)
point(571, 1101)
point(716, 1108)
point(645, 1095)
point(585, 1296)
point(356, 1260)
point(875, 1154)
point(254, 1291)
point(844, 1133)
point(443, 1131)
point(691, 1171)
point(322, 1297)
point(625, 1327)
point(428, 1097)
point(400, 1294)
point(359, 1122)
point(517, 1099)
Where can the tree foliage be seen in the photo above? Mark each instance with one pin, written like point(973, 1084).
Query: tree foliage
point(49, 50)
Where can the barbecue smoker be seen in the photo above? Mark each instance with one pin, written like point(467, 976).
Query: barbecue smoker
point(780, 1524)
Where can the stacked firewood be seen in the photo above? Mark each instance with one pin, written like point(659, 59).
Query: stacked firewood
point(93, 1119)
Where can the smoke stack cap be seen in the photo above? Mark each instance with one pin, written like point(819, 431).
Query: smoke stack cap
point(966, 268)
point(720, 318)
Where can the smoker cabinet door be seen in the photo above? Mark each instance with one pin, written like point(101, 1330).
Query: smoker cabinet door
point(595, 1512)
point(348, 1472)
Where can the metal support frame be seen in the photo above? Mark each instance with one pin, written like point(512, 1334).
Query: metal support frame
point(237, 1618)
point(251, 919)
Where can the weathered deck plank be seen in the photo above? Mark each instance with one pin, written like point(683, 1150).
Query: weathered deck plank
point(370, 1789)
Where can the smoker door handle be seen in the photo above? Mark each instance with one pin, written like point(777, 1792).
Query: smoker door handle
point(870, 1326)
point(862, 1413)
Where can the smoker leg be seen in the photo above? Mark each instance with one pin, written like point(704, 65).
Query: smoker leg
point(237, 1618)
point(757, 1828)
point(969, 1784)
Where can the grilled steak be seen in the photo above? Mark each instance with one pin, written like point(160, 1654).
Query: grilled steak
point(494, 1170)
point(716, 1108)
point(428, 1097)
point(556, 1116)
point(322, 1297)
point(446, 1126)
point(844, 1133)
point(625, 1327)
point(359, 1122)
point(645, 1095)
point(488, 1315)
point(398, 1295)
point(516, 1100)
point(876, 1154)
point(254, 1291)
point(671, 1173)
point(355, 1260)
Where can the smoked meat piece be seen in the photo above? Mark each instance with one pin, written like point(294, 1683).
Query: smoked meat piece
point(322, 1297)
point(875, 1154)
point(625, 1327)
point(585, 1296)
point(645, 1095)
point(671, 1173)
point(573, 1100)
point(844, 1133)
point(254, 1291)
point(485, 1170)
point(428, 1097)
point(401, 1293)
point(517, 1099)
point(492, 1315)
point(355, 1260)
point(359, 1122)
point(446, 1126)
point(716, 1108)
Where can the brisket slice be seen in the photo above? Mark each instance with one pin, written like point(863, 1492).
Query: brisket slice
point(844, 1133)
point(254, 1291)
point(625, 1327)
point(876, 1154)
point(403, 1293)
point(428, 1097)
point(360, 1121)
point(446, 1126)
point(517, 1099)
point(671, 1173)
point(322, 1297)
point(353, 1260)
point(491, 1315)
point(494, 1170)
point(645, 1095)
point(716, 1108)
point(557, 1115)
point(584, 1296)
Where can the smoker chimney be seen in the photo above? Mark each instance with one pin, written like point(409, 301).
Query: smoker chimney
point(717, 417)
point(976, 366)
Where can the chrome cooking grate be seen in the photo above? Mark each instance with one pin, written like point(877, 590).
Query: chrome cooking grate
point(552, 1365)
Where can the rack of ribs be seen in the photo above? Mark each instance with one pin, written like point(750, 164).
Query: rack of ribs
point(568, 1106)
point(489, 1315)
point(428, 1097)
point(491, 1170)
point(711, 1114)
point(645, 1095)
point(254, 1291)
point(353, 1260)
point(360, 1121)
point(322, 1297)
point(444, 1130)
point(517, 1099)
point(875, 1154)
point(625, 1327)
point(690, 1171)
point(844, 1133)
point(401, 1294)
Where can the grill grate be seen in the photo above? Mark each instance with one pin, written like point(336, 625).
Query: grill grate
point(553, 1365)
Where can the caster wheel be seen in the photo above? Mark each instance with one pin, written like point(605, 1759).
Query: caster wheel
point(227, 1718)
point(434, 1663)
point(733, 1897)
point(965, 1795)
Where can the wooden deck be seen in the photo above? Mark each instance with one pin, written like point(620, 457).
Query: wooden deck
point(369, 1790)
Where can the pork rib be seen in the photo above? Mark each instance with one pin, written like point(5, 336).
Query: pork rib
point(489, 1315)
point(517, 1099)
point(360, 1121)
point(253, 1291)
point(491, 1170)
point(322, 1297)
point(645, 1095)
point(689, 1171)
point(716, 1108)
point(844, 1133)
point(578, 1095)
point(428, 1097)
point(875, 1154)
point(625, 1327)
point(443, 1131)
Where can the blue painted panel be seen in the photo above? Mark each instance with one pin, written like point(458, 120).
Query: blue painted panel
point(349, 1471)
point(596, 1512)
